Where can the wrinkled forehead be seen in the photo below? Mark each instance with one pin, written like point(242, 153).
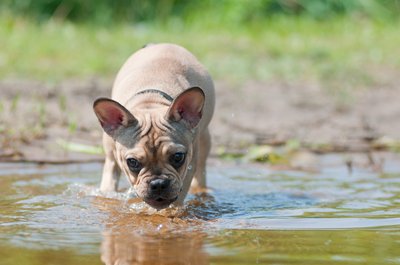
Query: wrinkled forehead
point(158, 144)
point(155, 126)
point(154, 132)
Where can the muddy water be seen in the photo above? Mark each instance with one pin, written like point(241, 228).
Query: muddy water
point(252, 215)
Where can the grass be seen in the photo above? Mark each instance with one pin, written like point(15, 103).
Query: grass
point(340, 54)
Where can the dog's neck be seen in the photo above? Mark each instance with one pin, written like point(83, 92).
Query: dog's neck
point(150, 98)
point(156, 91)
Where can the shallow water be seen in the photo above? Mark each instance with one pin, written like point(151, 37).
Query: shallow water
point(253, 214)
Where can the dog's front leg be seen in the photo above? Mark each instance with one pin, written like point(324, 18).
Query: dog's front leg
point(204, 145)
point(111, 170)
point(186, 186)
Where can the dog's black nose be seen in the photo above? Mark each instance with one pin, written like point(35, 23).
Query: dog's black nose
point(159, 184)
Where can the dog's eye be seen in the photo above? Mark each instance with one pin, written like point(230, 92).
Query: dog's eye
point(177, 159)
point(134, 165)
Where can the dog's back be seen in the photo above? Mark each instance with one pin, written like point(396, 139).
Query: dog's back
point(166, 67)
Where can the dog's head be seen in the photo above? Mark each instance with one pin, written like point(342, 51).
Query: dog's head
point(154, 149)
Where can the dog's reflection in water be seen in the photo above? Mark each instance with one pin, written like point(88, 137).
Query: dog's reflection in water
point(152, 238)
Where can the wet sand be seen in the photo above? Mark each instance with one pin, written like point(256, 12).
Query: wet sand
point(37, 118)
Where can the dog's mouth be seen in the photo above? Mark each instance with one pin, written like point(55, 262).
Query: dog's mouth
point(160, 202)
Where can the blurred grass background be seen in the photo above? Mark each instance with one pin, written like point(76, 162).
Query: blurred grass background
point(325, 41)
point(223, 11)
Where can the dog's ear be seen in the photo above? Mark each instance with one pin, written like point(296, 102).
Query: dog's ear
point(112, 115)
point(187, 106)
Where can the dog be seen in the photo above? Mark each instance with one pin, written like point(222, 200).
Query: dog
point(156, 125)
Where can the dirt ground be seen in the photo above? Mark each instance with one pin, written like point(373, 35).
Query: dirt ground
point(37, 118)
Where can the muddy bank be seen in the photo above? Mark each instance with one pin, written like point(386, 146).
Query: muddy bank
point(39, 119)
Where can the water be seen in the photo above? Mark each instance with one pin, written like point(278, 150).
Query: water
point(253, 214)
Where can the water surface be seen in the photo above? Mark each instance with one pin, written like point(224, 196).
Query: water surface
point(253, 214)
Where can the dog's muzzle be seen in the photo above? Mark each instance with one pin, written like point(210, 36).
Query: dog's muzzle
point(160, 193)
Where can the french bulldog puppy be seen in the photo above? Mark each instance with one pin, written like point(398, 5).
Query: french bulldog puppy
point(156, 125)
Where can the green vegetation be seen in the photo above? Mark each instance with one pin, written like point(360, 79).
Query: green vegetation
point(320, 41)
point(80, 148)
point(223, 11)
point(283, 47)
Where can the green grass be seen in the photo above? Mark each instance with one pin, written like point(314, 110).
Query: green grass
point(340, 53)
